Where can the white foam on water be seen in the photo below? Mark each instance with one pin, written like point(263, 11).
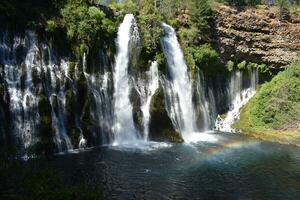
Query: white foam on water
point(208, 136)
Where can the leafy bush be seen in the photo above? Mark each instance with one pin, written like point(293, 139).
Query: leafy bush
point(150, 25)
point(205, 57)
point(87, 26)
point(278, 102)
point(51, 26)
point(242, 65)
point(230, 65)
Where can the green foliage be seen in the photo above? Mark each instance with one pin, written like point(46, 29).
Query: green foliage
point(150, 26)
point(86, 26)
point(71, 70)
point(277, 103)
point(28, 13)
point(230, 65)
point(195, 30)
point(202, 17)
point(125, 6)
point(262, 68)
point(51, 26)
point(242, 65)
point(205, 57)
point(190, 31)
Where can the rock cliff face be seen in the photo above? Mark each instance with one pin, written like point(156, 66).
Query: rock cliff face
point(257, 35)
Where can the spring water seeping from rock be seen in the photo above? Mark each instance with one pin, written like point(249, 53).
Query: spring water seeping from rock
point(32, 71)
point(100, 85)
point(205, 104)
point(241, 89)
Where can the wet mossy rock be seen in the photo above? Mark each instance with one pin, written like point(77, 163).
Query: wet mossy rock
point(46, 133)
point(87, 122)
point(161, 127)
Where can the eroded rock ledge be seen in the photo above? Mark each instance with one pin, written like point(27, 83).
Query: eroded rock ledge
point(257, 35)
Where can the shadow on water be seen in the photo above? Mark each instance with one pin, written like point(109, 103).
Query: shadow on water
point(230, 167)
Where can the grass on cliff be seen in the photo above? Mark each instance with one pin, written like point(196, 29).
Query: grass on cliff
point(274, 112)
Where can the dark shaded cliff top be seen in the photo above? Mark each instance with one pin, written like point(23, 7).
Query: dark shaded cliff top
point(257, 35)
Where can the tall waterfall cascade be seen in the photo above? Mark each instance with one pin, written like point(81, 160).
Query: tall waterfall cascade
point(123, 128)
point(178, 87)
point(238, 97)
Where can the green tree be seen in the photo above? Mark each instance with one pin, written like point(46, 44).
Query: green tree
point(87, 26)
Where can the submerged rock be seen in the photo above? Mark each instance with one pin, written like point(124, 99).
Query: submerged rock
point(161, 127)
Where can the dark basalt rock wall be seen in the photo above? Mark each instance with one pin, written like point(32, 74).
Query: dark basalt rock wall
point(257, 35)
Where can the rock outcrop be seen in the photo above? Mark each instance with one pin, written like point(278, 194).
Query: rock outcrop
point(161, 127)
point(257, 35)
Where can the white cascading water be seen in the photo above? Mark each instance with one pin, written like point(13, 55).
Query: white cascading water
point(179, 88)
point(57, 98)
point(238, 97)
point(206, 104)
point(100, 86)
point(23, 98)
point(24, 92)
point(146, 96)
point(123, 128)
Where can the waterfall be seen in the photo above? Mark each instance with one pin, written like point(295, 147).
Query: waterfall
point(146, 96)
point(239, 95)
point(100, 85)
point(205, 104)
point(179, 89)
point(29, 69)
point(58, 101)
point(23, 96)
point(123, 128)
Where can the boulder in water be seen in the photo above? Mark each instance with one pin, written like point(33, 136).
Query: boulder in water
point(161, 127)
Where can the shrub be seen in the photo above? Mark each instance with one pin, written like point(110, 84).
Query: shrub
point(230, 65)
point(87, 26)
point(242, 65)
point(51, 26)
point(277, 102)
point(205, 57)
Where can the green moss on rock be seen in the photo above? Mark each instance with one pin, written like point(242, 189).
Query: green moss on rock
point(161, 127)
point(46, 133)
point(73, 131)
point(87, 122)
point(71, 70)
